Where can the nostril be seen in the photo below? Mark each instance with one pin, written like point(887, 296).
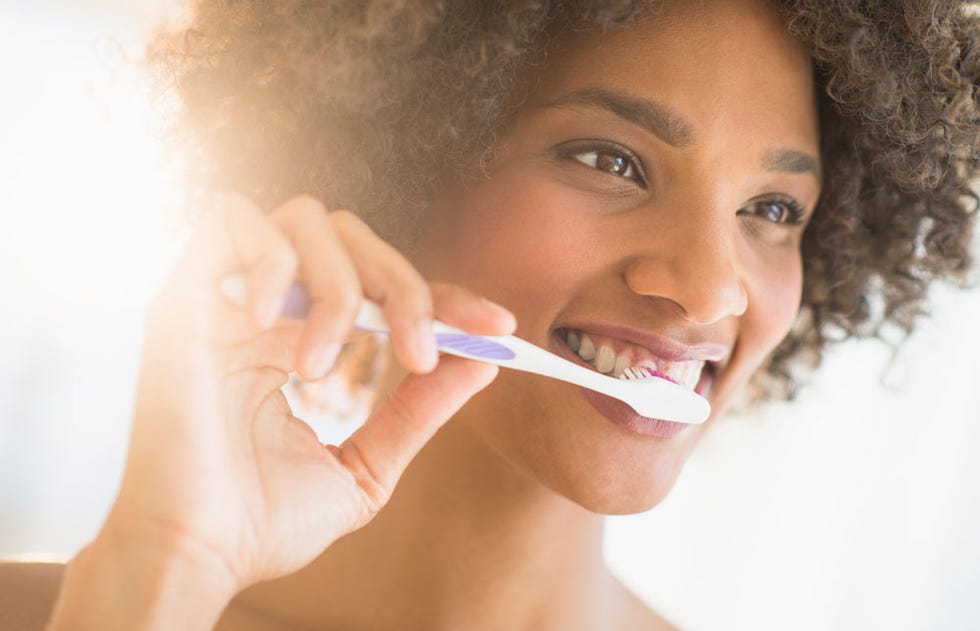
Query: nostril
point(706, 286)
point(708, 308)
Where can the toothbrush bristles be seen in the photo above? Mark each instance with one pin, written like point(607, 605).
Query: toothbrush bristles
point(636, 372)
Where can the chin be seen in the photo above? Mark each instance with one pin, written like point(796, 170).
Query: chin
point(624, 494)
point(554, 438)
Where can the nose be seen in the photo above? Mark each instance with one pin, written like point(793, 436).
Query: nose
point(691, 261)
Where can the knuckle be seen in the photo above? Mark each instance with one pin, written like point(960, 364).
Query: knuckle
point(348, 299)
point(410, 288)
point(300, 207)
point(375, 490)
point(342, 296)
point(283, 258)
point(344, 219)
point(417, 296)
point(306, 203)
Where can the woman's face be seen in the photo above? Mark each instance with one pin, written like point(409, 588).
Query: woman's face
point(649, 197)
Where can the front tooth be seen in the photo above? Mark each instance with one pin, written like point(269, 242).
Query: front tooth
point(622, 363)
point(573, 340)
point(694, 374)
point(686, 373)
point(586, 349)
point(679, 373)
point(605, 359)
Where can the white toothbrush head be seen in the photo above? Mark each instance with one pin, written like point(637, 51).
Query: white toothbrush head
point(657, 397)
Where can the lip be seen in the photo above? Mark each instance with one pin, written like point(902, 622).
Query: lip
point(663, 347)
point(621, 413)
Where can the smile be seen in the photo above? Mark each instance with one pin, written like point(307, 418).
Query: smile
point(612, 356)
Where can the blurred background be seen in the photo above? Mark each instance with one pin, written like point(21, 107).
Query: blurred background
point(857, 507)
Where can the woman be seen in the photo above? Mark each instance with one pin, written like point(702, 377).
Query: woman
point(660, 182)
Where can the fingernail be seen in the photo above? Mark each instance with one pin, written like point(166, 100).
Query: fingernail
point(425, 343)
point(321, 360)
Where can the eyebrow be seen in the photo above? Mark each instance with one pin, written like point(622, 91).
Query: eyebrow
point(656, 118)
point(673, 128)
point(791, 161)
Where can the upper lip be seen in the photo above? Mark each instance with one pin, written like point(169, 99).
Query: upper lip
point(662, 346)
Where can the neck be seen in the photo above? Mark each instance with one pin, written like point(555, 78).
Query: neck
point(467, 541)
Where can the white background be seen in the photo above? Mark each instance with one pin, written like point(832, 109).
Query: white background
point(856, 507)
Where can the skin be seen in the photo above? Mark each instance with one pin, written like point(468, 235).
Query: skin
point(682, 257)
point(492, 509)
point(227, 497)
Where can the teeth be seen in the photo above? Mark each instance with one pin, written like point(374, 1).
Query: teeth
point(622, 363)
point(605, 360)
point(573, 340)
point(685, 373)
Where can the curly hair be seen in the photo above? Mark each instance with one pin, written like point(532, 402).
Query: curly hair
point(369, 104)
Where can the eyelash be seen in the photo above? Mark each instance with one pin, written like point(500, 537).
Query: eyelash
point(630, 160)
point(793, 212)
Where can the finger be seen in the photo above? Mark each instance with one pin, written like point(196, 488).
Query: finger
point(380, 450)
point(273, 348)
point(469, 311)
point(389, 279)
point(235, 236)
point(330, 278)
point(268, 280)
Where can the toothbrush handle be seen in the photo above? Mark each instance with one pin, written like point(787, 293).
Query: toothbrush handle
point(659, 398)
point(369, 318)
point(448, 339)
point(506, 350)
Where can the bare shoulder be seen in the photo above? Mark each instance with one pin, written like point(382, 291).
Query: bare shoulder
point(27, 593)
point(636, 614)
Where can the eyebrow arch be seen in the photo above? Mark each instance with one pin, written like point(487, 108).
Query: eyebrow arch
point(656, 118)
point(791, 161)
point(673, 128)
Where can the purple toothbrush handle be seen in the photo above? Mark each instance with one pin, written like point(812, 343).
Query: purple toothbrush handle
point(297, 305)
point(475, 346)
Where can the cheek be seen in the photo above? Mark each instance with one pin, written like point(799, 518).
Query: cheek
point(514, 241)
point(774, 299)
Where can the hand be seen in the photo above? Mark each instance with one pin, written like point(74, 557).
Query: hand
point(220, 473)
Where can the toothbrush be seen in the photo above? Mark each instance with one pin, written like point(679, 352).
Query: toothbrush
point(650, 396)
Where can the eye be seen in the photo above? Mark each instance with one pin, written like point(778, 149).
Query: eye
point(607, 157)
point(783, 210)
point(610, 162)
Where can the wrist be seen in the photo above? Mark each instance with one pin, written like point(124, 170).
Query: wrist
point(121, 582)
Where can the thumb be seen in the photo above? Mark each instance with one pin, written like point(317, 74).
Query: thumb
point(380, 450)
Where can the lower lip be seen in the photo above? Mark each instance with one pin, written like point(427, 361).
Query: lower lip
point(620, 413)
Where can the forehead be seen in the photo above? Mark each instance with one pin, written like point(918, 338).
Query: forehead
point(731, 69)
